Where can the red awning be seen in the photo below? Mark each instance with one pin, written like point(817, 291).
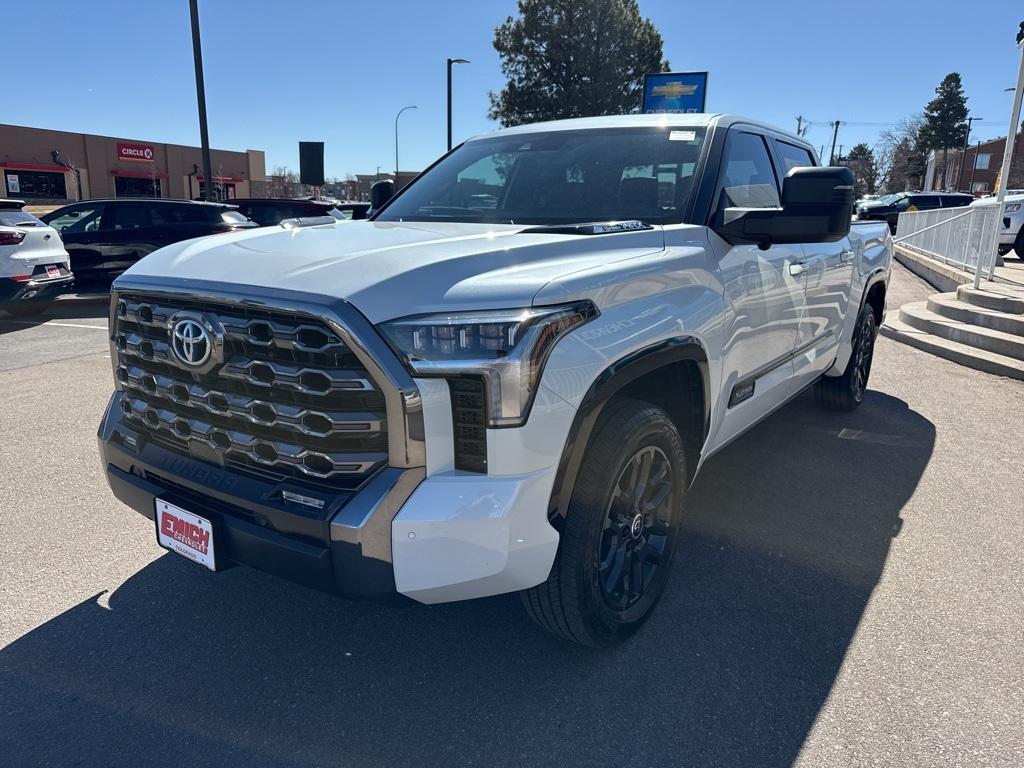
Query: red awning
point(140, 174)
point(34, 167)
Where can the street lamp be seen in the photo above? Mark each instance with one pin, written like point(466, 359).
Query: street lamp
point(411, 106)
point(450, 62)
point(967, 138)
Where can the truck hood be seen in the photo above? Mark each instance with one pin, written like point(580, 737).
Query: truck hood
point(390, 270)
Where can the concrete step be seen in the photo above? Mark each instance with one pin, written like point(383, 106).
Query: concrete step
point(917, 315)
point(965, 355)
point(947, 305)
point(995, 297)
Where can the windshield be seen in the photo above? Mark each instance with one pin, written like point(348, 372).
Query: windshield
point(558, 178)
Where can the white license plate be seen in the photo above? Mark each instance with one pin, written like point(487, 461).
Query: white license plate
point(187, 534)
point(52, 272)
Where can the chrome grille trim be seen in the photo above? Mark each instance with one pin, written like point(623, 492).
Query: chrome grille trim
point(309, 462)
point(242, 406)
point(321, 325)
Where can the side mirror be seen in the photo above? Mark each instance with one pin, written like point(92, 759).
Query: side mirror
point(817, 206)
point(381, 192)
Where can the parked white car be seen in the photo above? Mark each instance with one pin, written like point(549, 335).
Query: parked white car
point(34, 267)
point(454, 400)
point(1011, 228)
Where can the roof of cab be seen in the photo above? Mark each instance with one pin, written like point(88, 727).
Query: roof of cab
point(673, 120)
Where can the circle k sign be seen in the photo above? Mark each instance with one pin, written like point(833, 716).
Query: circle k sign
point(138, 152)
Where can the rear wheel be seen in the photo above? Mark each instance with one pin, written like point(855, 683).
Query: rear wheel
point(846, 392)
point(620, 530)
point(1018, 244)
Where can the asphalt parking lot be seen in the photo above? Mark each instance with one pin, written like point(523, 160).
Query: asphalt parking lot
point(849, 592)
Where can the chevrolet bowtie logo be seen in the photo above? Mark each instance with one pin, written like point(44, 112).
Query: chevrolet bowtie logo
point(674, 90)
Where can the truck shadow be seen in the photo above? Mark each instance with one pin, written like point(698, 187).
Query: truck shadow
point(786, 537)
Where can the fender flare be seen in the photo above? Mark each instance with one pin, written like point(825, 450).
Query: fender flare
point(607, 384)
point(875, 277)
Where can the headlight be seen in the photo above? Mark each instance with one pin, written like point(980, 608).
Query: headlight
point(507, 347)
point(1012, 207)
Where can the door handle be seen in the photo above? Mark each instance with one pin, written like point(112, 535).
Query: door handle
point(797, 268)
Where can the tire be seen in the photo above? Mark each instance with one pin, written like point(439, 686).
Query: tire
point(1018, 244)
point(613, 561)
point(846, 392)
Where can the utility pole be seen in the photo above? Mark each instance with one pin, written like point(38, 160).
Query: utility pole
point(799, 123)
point(963, 159)
point(974, 165)
point(204, 134)
point(835, 135)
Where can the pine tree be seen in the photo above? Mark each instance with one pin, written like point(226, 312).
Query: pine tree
point(945, 119)
point(574, 58)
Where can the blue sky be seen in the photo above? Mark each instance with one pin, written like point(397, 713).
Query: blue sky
point(279, 72)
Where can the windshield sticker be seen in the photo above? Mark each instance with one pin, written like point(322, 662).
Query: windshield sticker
point(682, 135)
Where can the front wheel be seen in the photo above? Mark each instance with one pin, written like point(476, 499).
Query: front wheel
point(846, 392)
point(620, 530)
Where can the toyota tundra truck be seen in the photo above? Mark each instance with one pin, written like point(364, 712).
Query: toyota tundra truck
point(507, 379)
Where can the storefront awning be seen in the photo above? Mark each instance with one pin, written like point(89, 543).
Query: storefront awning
point(34, 167)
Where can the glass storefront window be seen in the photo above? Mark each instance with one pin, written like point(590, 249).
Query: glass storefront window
point(30, 185)
point(131, 186)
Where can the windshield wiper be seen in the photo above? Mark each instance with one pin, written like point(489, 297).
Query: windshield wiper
point(592, 228)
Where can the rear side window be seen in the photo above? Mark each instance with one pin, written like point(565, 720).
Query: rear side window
point(127, 216)
point(956, 201)
point(19, 219)
point(793, 156)
point(748, 177)
point(925, 201)
point(184, 214)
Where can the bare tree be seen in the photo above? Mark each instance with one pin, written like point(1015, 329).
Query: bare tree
point(899, 156)
point(283, 182)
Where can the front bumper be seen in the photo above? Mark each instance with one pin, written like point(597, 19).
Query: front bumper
point(254, 523)
point(451, 536)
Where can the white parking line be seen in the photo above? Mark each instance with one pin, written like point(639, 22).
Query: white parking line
point(55, 322)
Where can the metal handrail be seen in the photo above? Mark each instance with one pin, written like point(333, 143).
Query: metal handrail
point(968, 212)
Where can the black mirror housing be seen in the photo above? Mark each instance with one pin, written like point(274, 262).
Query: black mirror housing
point(817, 206)
point(381, 192)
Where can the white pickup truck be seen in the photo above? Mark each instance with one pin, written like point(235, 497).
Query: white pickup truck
point(508, 378)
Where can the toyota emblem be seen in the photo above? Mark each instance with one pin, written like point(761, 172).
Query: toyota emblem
point(191, 343)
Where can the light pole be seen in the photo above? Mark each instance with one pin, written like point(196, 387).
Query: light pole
point(450, 62)
point(1004, 169)
point(204, 134)
point(967, 139)
point(411, 106)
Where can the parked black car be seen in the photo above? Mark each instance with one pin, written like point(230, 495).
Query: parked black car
point(270, 211)
point(890, 207)
point(105, 237)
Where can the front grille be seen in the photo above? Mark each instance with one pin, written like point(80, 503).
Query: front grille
point(290, 401)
